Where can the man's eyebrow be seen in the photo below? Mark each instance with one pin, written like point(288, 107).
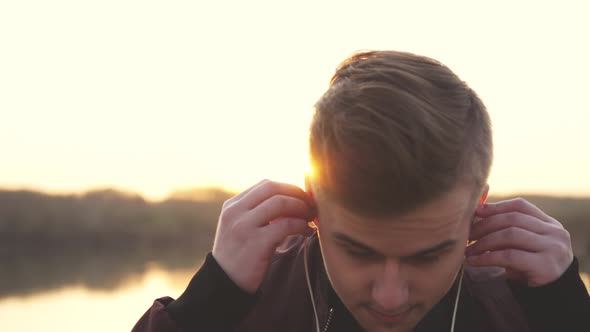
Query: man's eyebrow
point(348, 240)
point(424, 252)
point(439, 247)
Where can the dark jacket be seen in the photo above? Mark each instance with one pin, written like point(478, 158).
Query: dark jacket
point(212, 302)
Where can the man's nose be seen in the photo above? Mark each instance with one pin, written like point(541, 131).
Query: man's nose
point(390, 290)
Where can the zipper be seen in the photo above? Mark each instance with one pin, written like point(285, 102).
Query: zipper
point(329, 320)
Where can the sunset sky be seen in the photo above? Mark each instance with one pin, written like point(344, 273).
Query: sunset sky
point(154, 96)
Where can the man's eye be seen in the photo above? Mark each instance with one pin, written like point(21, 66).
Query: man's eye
point(358, 253)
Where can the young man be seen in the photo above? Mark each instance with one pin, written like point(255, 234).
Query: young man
point(402, 150)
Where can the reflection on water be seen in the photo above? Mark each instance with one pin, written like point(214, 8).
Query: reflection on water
point(106, 269)
point(76, 308)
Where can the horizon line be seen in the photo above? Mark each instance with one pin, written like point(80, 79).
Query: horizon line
point(179, 191)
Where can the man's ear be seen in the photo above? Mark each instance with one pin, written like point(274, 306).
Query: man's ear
point(309, 191)
point(482, 199)
point(308, 185)
point(484, 194)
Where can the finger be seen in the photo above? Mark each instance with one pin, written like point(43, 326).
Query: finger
point(514, 205)
point(512, 237)
point(243, 193)
point(277, 231)
point(507, 220)
point(517, 260)
point(268, 189)
point(279, 206)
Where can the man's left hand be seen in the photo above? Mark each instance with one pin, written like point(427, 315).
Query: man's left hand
point(516, 235)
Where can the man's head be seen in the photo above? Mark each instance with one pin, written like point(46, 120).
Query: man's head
point(401, 150)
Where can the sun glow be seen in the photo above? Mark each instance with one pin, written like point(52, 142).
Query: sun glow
point(151, 103)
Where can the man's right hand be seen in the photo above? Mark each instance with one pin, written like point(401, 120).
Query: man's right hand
point(253, 224)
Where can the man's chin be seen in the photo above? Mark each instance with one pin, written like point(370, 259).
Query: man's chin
point(375, 321)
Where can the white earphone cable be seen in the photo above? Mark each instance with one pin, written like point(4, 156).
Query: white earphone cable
point(315, 311)
point(457, 298)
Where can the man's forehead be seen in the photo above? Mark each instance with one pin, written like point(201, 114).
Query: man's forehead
point(421, 230)
point(394, 240)
point(427, 216)
point(463, 193)
point(458, 197)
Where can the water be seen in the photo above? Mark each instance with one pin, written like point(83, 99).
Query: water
point(76, 308)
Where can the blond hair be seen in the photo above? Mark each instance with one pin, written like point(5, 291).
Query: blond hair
point(395, 130)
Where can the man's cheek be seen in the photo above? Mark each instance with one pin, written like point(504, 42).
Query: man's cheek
point(350, 281)
point(339, 264)
point(343, 261)
point(334, 257)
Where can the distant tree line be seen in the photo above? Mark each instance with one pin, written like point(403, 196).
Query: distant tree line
point(99, 238)
point(105, 219)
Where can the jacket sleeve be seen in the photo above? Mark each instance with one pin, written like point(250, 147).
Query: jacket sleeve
point(211, 302)
point(563, 305)
point(157, 318)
